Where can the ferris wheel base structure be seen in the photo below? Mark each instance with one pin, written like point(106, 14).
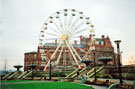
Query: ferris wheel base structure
point(65, 27)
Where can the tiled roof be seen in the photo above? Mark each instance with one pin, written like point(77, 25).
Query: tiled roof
point(34, 52)
point(100, 39)
point(55, 45)
point(79, 45)
point(50, 45)
point(105, 58)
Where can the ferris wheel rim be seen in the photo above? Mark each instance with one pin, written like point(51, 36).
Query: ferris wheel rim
point(62, 11)
point(64, 39)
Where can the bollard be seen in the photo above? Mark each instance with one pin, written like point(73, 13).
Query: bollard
point(134, 84)
point(83, 80)
point(59, 78)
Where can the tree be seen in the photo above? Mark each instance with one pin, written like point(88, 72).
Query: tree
point(131, 60)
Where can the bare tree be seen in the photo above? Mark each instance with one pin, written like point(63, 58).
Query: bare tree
point(132, 60)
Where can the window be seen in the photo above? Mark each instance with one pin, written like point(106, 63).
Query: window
point(35, 55)
point(25, 56)
point(97, 48)
point(42, 63)
point(96, 42)
point(102, 42)
point(29, 56)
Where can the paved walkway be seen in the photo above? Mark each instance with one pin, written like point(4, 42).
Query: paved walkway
point(99, 87)
point(94, 86)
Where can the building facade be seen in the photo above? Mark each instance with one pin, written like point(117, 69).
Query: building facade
point(103, 49)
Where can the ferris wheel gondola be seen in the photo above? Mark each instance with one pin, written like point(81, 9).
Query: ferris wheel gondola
point(65, 26)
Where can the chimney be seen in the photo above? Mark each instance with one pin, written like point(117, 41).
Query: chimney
point(56, 41)
point(103, 36)
point(90, 35)
point(81, 39)
point(75, 42)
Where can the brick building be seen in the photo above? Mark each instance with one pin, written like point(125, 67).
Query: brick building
point(103, 49)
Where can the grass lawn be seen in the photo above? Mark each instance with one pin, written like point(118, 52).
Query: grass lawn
point(46, 85)
point(10, 81)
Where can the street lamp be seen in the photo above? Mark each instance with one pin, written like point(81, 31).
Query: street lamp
point(18, 67)
point(32, 67)
point(94, 65)
point(50, 71)
point(117, 42)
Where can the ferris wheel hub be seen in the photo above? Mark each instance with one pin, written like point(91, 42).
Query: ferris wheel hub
point(63, 37)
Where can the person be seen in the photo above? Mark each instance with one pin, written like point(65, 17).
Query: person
point(77, 74)
point(85, 77)
point(44, 77)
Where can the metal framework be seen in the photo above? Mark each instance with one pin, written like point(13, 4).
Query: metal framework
point(65, 27)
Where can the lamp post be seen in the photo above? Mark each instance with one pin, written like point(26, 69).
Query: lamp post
point(117, 42)
point(18, 67)
point(50, 71)
point(95, 78)
point(32, 67)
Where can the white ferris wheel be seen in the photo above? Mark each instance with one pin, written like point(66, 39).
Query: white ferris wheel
point(65, 27)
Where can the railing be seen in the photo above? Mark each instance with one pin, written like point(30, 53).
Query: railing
point(22, 74)
point(98, 70)
point(123, 69)
point(7, 75)
point(79, 73)
point(71, 74)
point(27, 74)
point(12, 74)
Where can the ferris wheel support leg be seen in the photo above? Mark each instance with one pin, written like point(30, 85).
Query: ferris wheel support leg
point(59, 56)
point(72, 54)
point(76, 53)
point(52, 55)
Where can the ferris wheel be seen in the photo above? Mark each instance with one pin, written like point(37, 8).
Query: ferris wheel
point(65, 27)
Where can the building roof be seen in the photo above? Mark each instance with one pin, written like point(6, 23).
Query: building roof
point(96, 39)
point(50, 45)
point(105, 58)
point(79, 45)
point(32, 52)
point(85, 39)
point(100, 39)
point(55, 45)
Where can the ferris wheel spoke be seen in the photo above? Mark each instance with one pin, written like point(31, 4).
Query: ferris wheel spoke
point(61, 25)
point(74, 23)
point(65, 24)
point(53, 34)
point(57, 27)
point(72, 53)
point(59, 56)
point(65, 20)
point(77, 27)
point(70, 20)
point(80, 31)
point(72, 36)
point(54, 30)
point(51, 38)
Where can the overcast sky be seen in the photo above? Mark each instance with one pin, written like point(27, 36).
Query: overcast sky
point(21, 22)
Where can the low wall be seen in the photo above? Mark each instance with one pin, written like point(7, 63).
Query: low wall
point(67, 79)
